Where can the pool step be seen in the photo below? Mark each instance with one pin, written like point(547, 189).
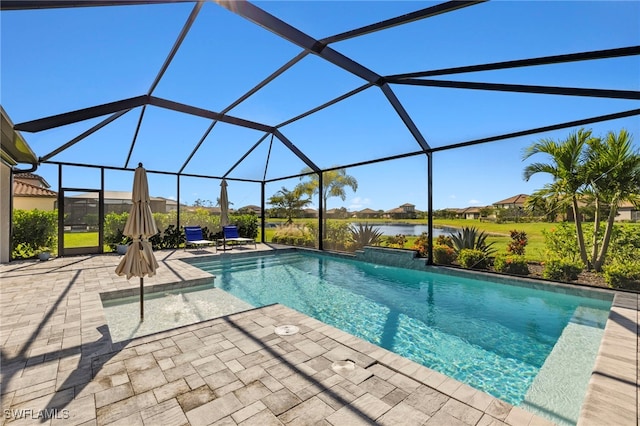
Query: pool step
point(216, 267)
point(561, 384)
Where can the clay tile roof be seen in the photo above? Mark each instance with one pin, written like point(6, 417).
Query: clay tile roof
point(396, 210)
point(516, 199)
point(625, 204)
point(472, 210)
point(31, 176)
point(23, 189)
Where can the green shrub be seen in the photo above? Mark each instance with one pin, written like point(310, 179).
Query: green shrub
point(199, 216)
point(443, 254)
point(561, 270)
point(625, 275)
point(247, 224)
point(421, 244)
point(163, 220)
point(625, 244)
point(338, 233)
point(113, 227)
point(518, 242)
point(397, 241)
point(33, 230)
point(515, 265)
point(561, 242)
point(472, 259)
point(444, 240)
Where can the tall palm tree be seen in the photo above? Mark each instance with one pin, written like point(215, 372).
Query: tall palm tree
point(334, 184)
point(613, 173)
point(567, 171)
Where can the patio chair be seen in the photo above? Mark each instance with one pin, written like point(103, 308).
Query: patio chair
point(232, 237)
point(194, 237)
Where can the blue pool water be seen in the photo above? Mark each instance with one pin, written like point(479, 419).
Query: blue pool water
point(494, 337)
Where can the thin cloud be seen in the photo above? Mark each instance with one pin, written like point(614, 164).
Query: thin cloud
point(358, 203)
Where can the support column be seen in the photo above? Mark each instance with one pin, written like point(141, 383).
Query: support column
point(320, 212)
point(264, 213)
point(430, 206)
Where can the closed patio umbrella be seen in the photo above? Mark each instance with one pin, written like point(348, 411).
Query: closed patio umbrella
point(139, 259)
point(224, 204)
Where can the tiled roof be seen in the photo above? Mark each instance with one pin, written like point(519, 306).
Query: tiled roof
point(472, 210)
point(396, 210)
point(31, 176)
point(626, 204)
point(516, 199)
point(23, 189)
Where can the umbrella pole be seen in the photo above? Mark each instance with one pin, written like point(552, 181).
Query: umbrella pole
point(141, 299)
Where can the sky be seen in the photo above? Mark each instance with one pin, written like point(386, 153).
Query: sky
point(58, 60)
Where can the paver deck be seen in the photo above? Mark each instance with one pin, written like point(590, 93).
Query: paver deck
point(59, 361)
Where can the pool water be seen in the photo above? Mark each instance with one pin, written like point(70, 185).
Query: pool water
point(529, 347)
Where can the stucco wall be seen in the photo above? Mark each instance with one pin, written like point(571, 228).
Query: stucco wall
point(32, 203)
point(623, 214)
point(5, 205)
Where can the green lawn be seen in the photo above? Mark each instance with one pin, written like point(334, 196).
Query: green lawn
point(83, 239)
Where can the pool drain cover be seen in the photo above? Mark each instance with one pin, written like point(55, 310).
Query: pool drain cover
point(343, 366)
point(286, 330)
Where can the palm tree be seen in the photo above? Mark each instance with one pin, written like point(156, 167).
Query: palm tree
point(334, 183)
point(613, 174)
point(568, 173)
point(546, 202)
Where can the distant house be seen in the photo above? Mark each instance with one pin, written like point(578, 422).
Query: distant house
point(339, 213)
point(251, 208)
point(471, 213)
point(517, 201)
point(31, 191)
point(367, 214)
point(120, 202)
point(309, 213)
point(170, 205)
point(627, 211)
point(405, 211)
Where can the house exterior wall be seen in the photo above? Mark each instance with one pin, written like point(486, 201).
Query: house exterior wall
point(623, 214)
point(5, 212)
point(31, 203)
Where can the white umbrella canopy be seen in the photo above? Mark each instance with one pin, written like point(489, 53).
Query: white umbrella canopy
point(139, 259)
point(224, 204)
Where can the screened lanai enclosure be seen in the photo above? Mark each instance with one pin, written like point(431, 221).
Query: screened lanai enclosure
point(425, 104)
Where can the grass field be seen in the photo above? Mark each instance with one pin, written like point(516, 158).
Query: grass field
point(83, 239)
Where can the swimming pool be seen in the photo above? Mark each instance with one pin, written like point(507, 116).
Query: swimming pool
point(511, 341)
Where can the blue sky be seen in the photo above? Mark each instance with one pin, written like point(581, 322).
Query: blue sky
point(59, 60)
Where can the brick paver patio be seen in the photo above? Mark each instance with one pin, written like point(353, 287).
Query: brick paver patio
point(58, 359)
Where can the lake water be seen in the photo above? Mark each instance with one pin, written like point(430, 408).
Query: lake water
point(408, 229)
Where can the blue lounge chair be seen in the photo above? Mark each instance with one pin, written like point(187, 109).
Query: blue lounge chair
point(232, 237)
point(194, 237)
